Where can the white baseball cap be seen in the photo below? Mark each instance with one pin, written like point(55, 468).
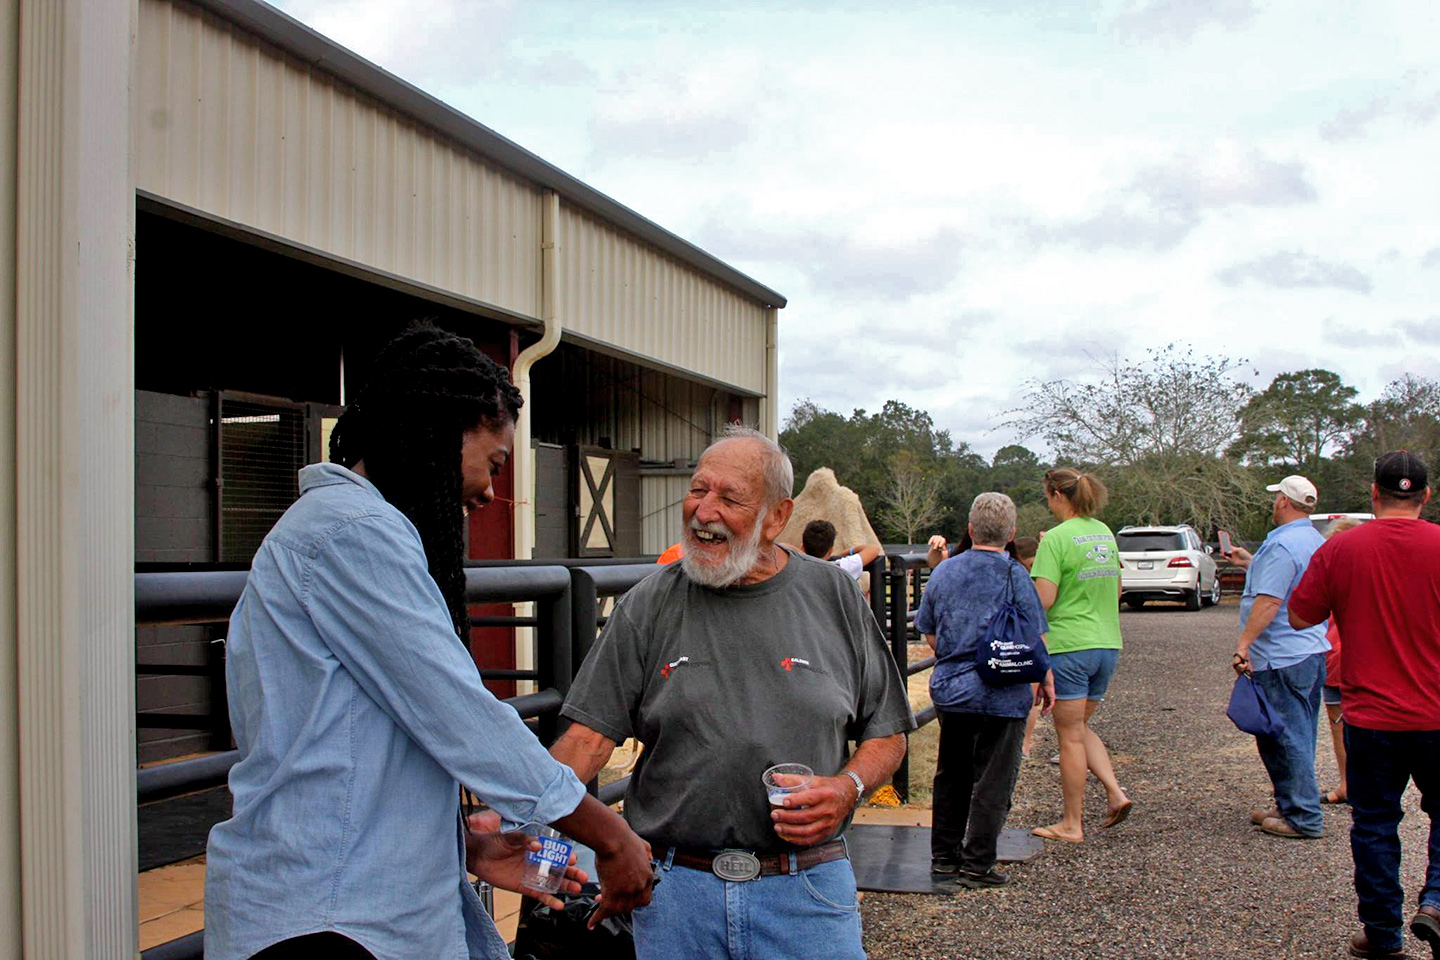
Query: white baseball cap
point(1297, 488)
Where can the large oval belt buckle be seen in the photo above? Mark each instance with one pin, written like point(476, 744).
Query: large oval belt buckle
point(735, 865)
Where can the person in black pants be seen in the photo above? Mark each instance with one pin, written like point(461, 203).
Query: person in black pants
point(981, 726)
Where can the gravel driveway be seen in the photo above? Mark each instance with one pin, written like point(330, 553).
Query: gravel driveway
point(1186, 875)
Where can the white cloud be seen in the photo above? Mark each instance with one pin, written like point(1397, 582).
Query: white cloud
point(441, 42)
point(1293, 269)
point(1406, 106)
point(1426, 332)
point(1343, 335)
point(1180, 20)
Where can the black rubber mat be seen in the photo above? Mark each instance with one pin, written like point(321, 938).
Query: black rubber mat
point(897, 859)
point(175, 830)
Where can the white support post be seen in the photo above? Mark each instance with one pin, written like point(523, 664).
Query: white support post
point(770, 403)
point(72, 553)
point(9, 690)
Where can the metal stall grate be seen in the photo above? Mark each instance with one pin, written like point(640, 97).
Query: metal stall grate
point(262, 446)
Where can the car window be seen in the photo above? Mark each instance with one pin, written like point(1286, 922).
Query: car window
point(1149, 542)
point(1323, 524)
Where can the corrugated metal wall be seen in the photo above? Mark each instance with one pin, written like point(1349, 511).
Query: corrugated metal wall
point(617, 290)
point(584, 397)
point(239, 130)
point(660, 519)
point(580, 396)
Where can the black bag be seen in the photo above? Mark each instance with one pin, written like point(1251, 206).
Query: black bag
point(547, 934)
point(1011, 649)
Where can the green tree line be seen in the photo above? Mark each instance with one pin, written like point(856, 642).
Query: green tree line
point(1177, 437)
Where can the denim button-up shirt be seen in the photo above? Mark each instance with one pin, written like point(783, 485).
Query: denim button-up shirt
point(1275, 571)
point(358, 713)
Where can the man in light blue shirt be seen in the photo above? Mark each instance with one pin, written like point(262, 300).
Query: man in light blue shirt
point(1288, 665)
point(357, 709)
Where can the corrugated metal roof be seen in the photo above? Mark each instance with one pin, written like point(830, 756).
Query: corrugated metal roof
point(322, 53)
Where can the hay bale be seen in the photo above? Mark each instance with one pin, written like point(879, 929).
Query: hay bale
point(824, 499)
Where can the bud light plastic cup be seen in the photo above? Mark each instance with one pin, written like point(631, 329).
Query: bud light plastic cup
point(784, 779)
point(545, 868)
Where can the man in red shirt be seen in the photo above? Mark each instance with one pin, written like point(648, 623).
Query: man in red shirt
point(1381, 583)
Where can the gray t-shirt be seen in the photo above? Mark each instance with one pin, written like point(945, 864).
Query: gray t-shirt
point(721, 684)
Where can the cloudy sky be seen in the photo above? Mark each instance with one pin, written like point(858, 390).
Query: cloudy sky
point(959, 197)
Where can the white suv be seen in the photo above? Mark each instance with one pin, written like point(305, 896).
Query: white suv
point(1323, 521)
point(1166, 563)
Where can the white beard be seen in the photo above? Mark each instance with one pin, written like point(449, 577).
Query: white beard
point(739, 560)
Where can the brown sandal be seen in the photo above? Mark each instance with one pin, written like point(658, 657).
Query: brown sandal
point(1117, 816)
point(1048, 834)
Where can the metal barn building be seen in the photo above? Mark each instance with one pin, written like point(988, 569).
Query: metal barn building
point(212, 218)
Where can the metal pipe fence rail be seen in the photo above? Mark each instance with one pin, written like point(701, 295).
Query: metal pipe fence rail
point(905, 579)
point(588, 587)
point(176, 599)
point(569, 596)
point(170, 599)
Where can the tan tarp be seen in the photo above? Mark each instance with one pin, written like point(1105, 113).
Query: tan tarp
point(824, 499)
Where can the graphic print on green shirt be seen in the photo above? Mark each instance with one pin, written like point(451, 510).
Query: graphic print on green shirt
point(1081, 558)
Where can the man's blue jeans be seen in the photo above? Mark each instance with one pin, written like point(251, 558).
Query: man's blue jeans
point(1381, 764)
point(813, 915)
point(1294, 693)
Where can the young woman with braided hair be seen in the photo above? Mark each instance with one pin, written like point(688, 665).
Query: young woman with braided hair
point(358, 711)
point(418, 431)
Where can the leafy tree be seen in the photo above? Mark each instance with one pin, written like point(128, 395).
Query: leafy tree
point(1154, 431)
point(1208, 492)
point(1296, 419)
point(1173, 404)
point(912, 497)
point(1406, 416)
point(1031, 518)
point(861, 449)
point(1017, 472)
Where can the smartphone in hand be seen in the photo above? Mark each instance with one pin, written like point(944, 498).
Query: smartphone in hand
point(1226, 547)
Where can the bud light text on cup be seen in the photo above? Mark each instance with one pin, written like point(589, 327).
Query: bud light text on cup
point(545, 868)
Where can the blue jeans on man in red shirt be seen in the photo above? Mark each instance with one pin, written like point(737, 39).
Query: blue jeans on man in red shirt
point(1380, 767)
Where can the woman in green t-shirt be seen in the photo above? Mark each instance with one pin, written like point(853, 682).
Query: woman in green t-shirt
point(1077, 574)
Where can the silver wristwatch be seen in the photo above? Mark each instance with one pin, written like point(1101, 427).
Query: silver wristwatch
point(859, 784)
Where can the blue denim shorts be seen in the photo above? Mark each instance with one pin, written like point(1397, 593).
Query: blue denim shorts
point(1083, 674)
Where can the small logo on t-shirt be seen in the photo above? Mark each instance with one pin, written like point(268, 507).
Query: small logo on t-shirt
point(1100, 553)
point(790, 663)
point(669, 668)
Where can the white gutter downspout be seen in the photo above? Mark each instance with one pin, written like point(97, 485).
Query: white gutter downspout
point(524, 455)
point(770, 419)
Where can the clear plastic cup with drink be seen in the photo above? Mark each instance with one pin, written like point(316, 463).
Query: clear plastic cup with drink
point(545, 868)
point(785, 779)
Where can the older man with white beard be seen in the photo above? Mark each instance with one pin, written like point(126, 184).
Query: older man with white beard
point(744, 655)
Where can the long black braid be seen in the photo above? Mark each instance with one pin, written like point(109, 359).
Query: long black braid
point(427, 389)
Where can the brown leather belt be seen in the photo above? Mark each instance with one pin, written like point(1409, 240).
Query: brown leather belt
point(738, 865)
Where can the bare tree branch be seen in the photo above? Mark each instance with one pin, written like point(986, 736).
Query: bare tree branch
point(912, 496)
